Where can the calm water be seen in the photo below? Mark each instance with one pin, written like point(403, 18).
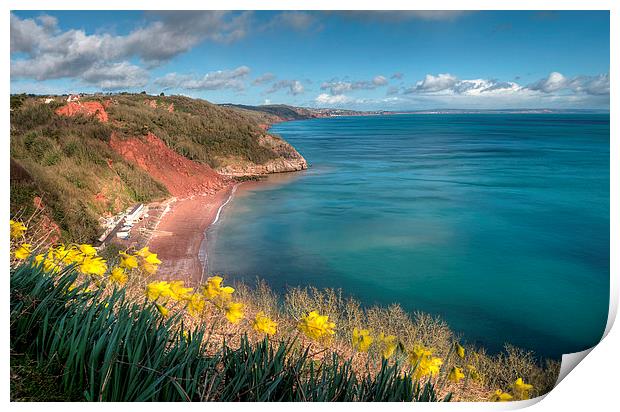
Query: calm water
point(497, 223)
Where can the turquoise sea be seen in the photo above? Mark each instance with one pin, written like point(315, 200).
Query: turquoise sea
point(499, 223)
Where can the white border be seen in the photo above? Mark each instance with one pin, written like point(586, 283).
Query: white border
point(593, 385)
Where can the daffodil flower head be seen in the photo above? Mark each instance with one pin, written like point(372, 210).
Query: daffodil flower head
point(144, 252)
point(316, 326)
point(388, 345)
point(361, 339)
point(49, 265)
point(419, 352)
point(118, 276)
point(157, 289)
point(128, 261)
point(264, 324)
point(23, 251)
point(213, 290)
point(521, 389)
point(500, 396)
point(425, 364)
point(17, 229)
point(87, 250)
point(66, 255)
point(195, 304)
point(93, 265)
point(179, 292)
point(234, 312)
point(150, 262)
point(456, 374)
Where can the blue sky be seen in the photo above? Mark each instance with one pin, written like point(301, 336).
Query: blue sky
point(361, 60)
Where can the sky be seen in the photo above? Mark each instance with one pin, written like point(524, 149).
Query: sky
point(385, 60)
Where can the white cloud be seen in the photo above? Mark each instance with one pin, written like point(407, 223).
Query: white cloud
point(553, 91)
point(116, 76)
point(267, 77)
point(379, 81)
point(48, 53)
point(336, 87)
point(294, 87)
point(326, 98)
point(554, 82)
point(593, 85)
point(430, 83)
point(221, 79)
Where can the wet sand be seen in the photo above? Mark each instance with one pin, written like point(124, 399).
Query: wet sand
point(181, 232)
point(180, 241)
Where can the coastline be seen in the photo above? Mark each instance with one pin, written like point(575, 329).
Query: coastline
point(180, 239)
point(181, 233)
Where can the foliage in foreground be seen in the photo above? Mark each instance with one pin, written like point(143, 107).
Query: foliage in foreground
point(320, 325)
point(106, 347)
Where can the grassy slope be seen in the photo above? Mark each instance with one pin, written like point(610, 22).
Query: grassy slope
point(67, 160)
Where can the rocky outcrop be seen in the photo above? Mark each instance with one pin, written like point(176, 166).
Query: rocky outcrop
point(288, 160)
point(180, 175)
point(90, 108)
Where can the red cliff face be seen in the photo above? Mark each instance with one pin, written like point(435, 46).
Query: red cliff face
point(181, 176)
point(87, 108)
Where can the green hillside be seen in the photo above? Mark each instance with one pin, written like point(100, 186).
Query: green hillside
point(67, 161)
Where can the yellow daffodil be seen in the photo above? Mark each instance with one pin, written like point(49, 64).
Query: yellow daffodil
point(162, 309)
point(157, 289)
point(49, 265)
point(213, 289)
point(234, 312)
point(456, 374)
point(152, 259)
point(179, 292)
point(361, 339)
point(430, 367)
point(93, 265)
point(418, 352)
point(316, 326)
point(499, 396)
point(388, 345)
point(17, 229)
point(150, 262)
point(264, 324)
point(521, 389)
point(87, 250)
point(144, 252)
point(119, 276)
point(186, 335)
point(23, 251)
point(195, 305)
point(425, 364)
point(128, 261)
point(67, 255)
point(460, 351)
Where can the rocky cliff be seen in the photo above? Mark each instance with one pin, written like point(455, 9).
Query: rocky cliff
point(288, 160)
point(92, 156)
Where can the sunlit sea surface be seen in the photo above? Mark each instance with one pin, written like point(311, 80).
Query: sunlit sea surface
point(499, 223)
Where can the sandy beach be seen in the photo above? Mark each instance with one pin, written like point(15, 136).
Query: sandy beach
point(180, 233)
